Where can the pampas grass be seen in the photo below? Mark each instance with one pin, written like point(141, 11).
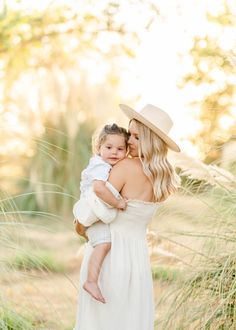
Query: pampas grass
point(209, 174)
point(206, 299)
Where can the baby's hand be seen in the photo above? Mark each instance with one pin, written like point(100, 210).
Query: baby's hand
point(121, 204)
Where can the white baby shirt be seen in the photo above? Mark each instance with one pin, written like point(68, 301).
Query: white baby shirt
point(97, 169)
point(89, 208)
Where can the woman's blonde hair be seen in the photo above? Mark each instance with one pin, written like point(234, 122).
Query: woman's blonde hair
point(153, 155)
point(99, 137)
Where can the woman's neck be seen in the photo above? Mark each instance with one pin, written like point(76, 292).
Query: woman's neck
point(134, 157)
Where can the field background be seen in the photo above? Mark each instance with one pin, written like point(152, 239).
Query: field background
point(64, 68)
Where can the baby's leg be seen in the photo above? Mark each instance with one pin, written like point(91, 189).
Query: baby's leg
point(95, 262)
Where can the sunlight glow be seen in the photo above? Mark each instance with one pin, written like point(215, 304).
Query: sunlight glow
point(151, 76)
point(226, 121)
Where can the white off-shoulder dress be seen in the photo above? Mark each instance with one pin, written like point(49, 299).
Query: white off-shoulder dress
point(125, 279)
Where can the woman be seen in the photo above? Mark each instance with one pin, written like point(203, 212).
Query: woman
point(146, 180)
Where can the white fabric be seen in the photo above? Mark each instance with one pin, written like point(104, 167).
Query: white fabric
point(125, 279)
point(98, 233)
point(89, 209)
point(97, 169)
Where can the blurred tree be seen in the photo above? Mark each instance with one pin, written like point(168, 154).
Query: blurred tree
point(41, 38)
point(86, 38)
point(214, 76)
point(60, 67)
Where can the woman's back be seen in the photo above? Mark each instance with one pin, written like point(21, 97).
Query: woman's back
point(128, 177)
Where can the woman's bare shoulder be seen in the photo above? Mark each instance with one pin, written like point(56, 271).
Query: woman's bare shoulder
point(119, 173)
point(126, 163)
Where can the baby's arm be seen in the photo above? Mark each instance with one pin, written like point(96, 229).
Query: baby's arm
point(100, 189)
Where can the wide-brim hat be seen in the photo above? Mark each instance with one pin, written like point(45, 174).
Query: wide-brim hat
point(155, 119)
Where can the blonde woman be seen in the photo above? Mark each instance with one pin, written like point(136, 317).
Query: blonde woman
point(146, 179)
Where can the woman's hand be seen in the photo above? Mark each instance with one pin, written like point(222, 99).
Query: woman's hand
point(80, 229)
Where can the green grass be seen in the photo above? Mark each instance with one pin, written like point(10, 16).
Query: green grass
point(166, 274)
point(11, 320)
point(42, 261)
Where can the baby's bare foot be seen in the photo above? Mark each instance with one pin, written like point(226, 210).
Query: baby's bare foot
point(93, 289)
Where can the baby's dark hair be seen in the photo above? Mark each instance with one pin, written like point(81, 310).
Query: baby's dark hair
point(100, 137)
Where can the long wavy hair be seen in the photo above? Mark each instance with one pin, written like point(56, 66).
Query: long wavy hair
point(153, 155)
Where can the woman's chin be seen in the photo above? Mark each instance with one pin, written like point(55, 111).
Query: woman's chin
point(133, 153)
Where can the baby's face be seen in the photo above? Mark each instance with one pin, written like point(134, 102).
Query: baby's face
point(113, 149)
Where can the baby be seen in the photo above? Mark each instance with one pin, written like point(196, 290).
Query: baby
point(110, 147)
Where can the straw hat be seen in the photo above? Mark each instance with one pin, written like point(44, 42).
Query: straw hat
point(154, 118)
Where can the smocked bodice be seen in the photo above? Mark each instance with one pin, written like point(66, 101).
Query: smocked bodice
point(134, 220)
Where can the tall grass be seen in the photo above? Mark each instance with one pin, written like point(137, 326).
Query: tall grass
point(52, 174)
point(47, 191)
point(206, 299)
point(41, 261)
point(35, 270)
point(11, 320)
